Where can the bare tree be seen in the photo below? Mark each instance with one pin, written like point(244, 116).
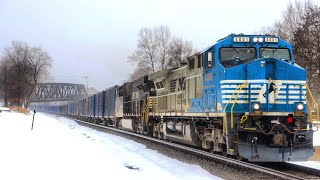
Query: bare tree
point(180, 50)
point(17, 57)
point(26, 67)
point(289, 22)
point(5, 80)
point(140, 71)
point(146, 52)
point(39, 61)
point(163, 35)
point(157, 50)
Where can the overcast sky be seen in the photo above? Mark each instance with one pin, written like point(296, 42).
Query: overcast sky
point(94, 37)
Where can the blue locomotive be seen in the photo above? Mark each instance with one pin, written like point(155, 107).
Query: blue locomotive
point(261, 93)
point(244, 96)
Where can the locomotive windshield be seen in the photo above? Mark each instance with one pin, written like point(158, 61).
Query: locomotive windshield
point(275, 53)
point(231, 56)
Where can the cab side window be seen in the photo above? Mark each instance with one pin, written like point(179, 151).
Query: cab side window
point(191, 63)
point(210, 56)
point(199, 61)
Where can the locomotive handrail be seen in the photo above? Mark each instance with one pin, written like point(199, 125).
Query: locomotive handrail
point(315, 103)
point(234, 102)
point(146, 110)
point(308, 104)
point(225, 107)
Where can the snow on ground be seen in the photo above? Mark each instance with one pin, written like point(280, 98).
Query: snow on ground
point(316, 136)
point(58, 148)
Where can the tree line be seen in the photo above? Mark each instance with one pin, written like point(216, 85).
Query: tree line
point(300, 25)
point(22, 67)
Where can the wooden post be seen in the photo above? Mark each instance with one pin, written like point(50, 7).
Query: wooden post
point(34, 112)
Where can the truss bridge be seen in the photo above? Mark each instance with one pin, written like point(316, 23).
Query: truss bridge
point(45, 92)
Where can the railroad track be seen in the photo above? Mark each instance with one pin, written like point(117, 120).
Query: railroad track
point(256, 171)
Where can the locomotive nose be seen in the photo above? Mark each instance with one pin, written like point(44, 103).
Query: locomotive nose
point(270, 69)
point(264, 69)
point(274, 69)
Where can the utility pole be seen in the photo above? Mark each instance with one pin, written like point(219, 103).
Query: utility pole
point(87, 88)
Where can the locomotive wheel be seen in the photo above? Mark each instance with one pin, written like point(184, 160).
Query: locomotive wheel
point(240, 158)
point(150, 130)
point(161, 135)
point(156, 134)
point(212, 151)
point(212, 148)
point(224, 151)
point(117, 124)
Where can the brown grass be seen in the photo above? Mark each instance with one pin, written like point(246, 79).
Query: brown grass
point(316, 156)
point(19, 109)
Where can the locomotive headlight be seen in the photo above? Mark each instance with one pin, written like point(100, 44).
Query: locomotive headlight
point(257, 39)
point(260, 39)
point(300, 106)
point(256, 106)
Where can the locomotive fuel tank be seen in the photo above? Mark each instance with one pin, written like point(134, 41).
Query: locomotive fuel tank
point(182, 133)
point(128, 124)
point(175, 127)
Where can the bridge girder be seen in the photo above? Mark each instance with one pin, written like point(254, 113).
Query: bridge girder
point(45, 92)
